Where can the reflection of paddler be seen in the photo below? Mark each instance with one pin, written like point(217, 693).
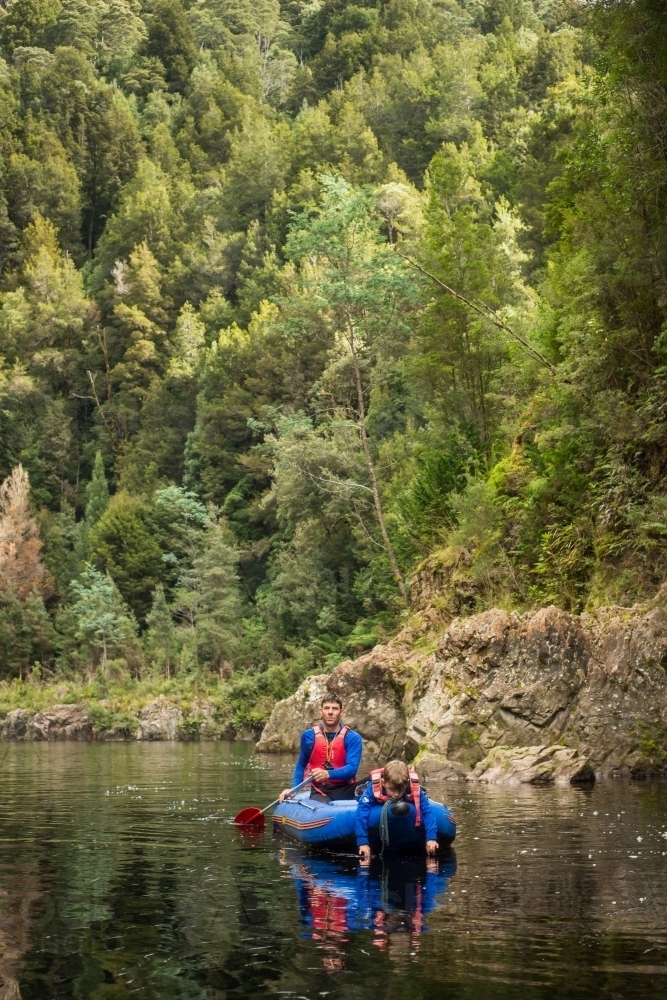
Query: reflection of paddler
point(391, 898)
point(326, 911)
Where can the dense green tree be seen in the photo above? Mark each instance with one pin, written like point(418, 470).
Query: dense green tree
point(360, 294)
point(102, 620)
point(220, 611)
point(170, 40)
point(123, 544)
point(97, 492)
point(15, 638)
point(27, 21)
point(160, 640)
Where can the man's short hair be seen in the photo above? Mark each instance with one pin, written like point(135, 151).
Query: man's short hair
point(332, 697)
point(396, 774)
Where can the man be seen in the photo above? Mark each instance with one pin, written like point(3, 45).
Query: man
point(330, 753)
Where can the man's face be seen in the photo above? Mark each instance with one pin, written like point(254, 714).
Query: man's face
point(331, 713)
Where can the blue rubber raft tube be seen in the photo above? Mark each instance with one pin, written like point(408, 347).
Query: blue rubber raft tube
point(331, 825)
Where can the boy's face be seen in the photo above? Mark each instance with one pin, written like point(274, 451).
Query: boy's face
point(393, 792)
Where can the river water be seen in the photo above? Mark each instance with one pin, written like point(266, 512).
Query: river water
point(121, 876)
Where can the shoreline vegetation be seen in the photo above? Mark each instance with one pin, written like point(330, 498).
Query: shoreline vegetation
point(209, 706)
point(314, 313)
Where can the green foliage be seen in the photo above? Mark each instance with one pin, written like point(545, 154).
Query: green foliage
point(123, 544)
point(97, 493)
point(170, 40)
point(15, 638)
point(27, 21)
point(160, 640)
point(101, 619)
point(232, 362)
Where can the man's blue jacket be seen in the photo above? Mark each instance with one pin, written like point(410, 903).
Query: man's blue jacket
point(353, 747)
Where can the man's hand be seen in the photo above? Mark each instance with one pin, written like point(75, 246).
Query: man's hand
point(365, 854)
point(283, 795)
point(319, 774)
point(432, 846)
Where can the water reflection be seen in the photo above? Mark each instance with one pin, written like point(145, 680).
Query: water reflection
point(393, 897)
point(121, 875)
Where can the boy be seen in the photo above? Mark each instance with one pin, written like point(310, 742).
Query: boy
point(394, 781)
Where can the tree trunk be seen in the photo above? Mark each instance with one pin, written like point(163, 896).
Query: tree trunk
point(371, 470)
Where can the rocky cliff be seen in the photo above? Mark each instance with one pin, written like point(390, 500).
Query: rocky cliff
point(158, 720)
point(541, 696)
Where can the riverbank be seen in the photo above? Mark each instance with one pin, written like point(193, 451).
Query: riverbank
point(153, 708)
point(541, 696)
point(536, 697)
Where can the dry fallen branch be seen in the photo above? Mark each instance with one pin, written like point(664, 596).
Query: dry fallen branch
point(485, 311)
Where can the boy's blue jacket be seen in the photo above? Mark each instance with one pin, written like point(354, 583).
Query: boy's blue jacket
point(368, 800)
point(353, 746)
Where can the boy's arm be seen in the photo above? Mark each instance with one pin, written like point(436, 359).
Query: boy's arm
point(364, 807)
point(353, 748)
point(307, 744)
point(428, 816)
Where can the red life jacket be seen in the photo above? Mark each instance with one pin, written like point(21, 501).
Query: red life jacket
point(413, 796)
point(331, 752)
point(328, 912)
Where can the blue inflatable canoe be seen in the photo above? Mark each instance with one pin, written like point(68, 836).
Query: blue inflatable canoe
point(331, 824)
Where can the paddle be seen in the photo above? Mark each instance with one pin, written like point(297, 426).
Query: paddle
point(252, 816)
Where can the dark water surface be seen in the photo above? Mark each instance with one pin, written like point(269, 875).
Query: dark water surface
point(119, 876)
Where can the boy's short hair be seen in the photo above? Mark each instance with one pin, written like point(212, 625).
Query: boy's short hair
point(332, 697)
point(396, 774)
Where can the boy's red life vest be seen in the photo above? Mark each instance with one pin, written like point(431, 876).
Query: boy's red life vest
point(328, 753)
point(413, 796)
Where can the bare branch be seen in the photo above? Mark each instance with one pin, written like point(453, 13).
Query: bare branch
point(485, 311)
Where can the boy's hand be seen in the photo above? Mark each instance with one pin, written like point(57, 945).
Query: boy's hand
point(365, 854)
point(432, 846)
point(283, 795)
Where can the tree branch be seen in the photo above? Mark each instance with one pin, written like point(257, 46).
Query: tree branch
point(486, 312)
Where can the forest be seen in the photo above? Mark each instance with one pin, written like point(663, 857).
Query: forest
point(303, 301)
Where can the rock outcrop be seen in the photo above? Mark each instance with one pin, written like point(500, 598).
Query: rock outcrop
point(559, 694)
point(60, 722)
point(373, 689)
point(159, 720)
point(539, 696)
point(282, 732)
point(533, 766)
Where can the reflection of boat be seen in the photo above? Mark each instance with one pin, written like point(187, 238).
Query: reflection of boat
point(338, 897)
point(331, 824)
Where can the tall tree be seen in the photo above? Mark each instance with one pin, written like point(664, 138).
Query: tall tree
point(102, 620)
point(123, 543)
point(21, 567)
point(26, 22)
point(170, 40)
point(160, 641)
point(360, 294)
point(97, 492)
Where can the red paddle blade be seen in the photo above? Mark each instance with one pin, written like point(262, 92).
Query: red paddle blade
point(250, 816)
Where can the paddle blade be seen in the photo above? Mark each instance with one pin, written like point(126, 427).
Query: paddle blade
point(251, 816)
